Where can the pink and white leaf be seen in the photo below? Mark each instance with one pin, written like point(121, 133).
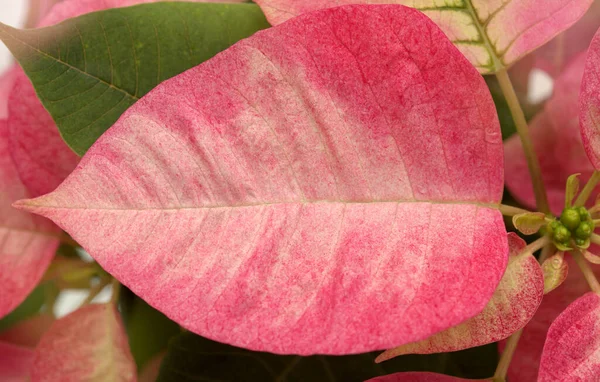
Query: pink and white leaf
point(514, 303)
point(83, 346)
point(572, 348)
point(525, 363)
point(491, 34)
point(27, 242)
point(589, 103)
point(324, 180)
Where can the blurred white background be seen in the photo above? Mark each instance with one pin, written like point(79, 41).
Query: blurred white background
point(13, 12)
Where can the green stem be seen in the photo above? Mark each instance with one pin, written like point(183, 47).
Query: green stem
point(536, 245)
point(584, 195)
point(94, 291)
point(507, 355)
point(116, 289)
point(507, 210)
point(521, 124)
point(587, 271)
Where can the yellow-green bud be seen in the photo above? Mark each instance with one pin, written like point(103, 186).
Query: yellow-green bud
point(570, 218)
point(584, 230)
point(583, 213)
point(562, 235)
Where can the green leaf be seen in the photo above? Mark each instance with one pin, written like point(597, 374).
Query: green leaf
point(148, 330)
point(88, 70)
point(193, 358)
point(529, 223)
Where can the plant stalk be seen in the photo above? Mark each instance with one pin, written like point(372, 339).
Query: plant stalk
point(533, 163)
point(584, 195)
point(507, 355)
point(587, 271)
point(507, 210)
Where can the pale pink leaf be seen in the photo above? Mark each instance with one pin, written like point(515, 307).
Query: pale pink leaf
point(27, 243)
point(572, 348)
point(589, 103)
point(346, 161)
point(491, 34)
point(43, 160)
point(555, 271)
point(420, 377)
point(15, 362)
point(525, 363)
point(85, 345)
point(557, 141)
point(514, 302)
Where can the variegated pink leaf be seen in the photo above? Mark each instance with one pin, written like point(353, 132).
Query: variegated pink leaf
point(514, 302)
point(491, 34)
point(572, 348)
point(525, 363)
point(589, 103)
point(557, 141)
point(27, 242)
point(27, 332)
point(420, 377)
point(15, 362)
point(88, 344)
point(346, 161)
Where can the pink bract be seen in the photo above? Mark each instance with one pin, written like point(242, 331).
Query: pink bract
point(589, 106)
point(572, 348)
point(506, 30)
point(27, 243)
point(557, 140)
point(83, 346)
point(515, 301)
point(285, 194)
point(15, 362)
point(525, 363)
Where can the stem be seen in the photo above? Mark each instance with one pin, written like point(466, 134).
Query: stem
point(507, 355)
point(536, 245)
point(587, 271)
point(116, 289)
point(595, 238)
point(584, 195)
point(94, 291)
point(547, 251)
point(511, 211)
point(539, 190)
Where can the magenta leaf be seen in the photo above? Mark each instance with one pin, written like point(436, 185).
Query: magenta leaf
point(15, 362)
point(334, 171)
point(84, 345)
point(420, 377)
point(513, 304)
point(572, 349)
point(491, 34)
point(589, 103)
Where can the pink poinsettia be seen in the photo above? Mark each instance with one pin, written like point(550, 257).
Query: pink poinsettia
point(34, 160)
point(333, 186)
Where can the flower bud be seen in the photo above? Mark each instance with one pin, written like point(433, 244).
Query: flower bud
point(571, 218)
point(583, 213)
point(584, 230)
point(562, 235)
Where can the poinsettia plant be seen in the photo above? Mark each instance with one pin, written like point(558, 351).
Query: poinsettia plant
point(301, 190)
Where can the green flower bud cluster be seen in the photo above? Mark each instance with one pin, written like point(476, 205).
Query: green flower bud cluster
point(574, 224)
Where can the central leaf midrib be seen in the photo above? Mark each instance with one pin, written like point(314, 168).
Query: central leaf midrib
point(486, 40)
point(32, 204)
